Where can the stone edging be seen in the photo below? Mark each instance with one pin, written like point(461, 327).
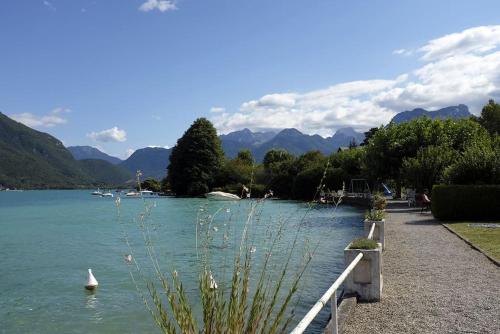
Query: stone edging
point(345, 309)
point(467, 241)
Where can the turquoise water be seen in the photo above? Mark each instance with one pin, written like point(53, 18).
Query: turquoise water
point(48, 239)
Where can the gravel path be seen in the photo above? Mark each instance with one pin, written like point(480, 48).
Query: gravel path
point(433, 282)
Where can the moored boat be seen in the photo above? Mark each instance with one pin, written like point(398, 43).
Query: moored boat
point(98, 192)
point(221, 196)
point(132, 193)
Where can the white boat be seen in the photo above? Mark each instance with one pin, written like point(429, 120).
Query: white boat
point(107, 194)
point(132, 193)
point(147, 193)
point(221, 196)
point(98, 192)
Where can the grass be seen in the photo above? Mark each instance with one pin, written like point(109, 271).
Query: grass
point(488, 239)
point(363, 243)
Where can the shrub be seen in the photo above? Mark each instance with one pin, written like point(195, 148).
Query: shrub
point(379, 202)
point(363, 243)
point(376, 215)
point(477, 164)
point(461, 202)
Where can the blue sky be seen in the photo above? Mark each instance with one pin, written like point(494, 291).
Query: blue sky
point(122, 75)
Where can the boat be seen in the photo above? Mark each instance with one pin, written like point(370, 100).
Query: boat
point(132, 193)
point(107, 194)
point(147, 193)
point(221, 196)
point(98, 192)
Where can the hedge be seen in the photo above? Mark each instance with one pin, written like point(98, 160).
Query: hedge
point(466, 202)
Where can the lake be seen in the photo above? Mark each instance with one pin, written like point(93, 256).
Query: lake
point(49, 238)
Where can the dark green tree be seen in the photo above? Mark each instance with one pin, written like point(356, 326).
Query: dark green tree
point(490, 117)
point(478, 164)
point(151, 184)
point(245, 156)
point(280, 169)
point(389, 146)
point(195, 160)
point(275, 157)
point(165, 186)
point(353, 144)
point(368, 135)
point(426, 169)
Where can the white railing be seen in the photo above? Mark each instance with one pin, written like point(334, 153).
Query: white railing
point(330, 294)
point(372, 230)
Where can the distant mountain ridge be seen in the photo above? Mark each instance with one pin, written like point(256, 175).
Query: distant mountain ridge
point(33, 159)
point(151, 161)
point(89, 152)
point(292, 140)
point(453, 112)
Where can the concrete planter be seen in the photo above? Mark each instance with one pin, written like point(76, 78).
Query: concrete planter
point(378, 234)
point(366, 279)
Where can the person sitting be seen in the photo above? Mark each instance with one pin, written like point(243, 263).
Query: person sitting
point(426, 202)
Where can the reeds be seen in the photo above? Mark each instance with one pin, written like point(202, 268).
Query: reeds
point(254, 294)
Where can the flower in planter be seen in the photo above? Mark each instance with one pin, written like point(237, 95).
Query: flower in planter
point(376, 215)
point(379, 202)
point(363, 243)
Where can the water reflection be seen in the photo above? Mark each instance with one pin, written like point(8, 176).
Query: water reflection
point(92, 304)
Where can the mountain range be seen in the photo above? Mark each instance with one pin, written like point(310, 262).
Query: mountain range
point(454, 112)
point(291, 140)
point(151, 161)
point(89, 152)
point(34, 159)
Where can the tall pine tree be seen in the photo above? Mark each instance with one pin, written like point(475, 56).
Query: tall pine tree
point(195, 160)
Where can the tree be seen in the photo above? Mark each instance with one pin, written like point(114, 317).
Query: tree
point(245, 156)
point(389, 146)
point(151, 184)
point(165, 186)
point(352, 144)
point(478, 164)
point(195, 160)
point(368, 135)
point(276, 156)
point(426, 169)
point(490, 117)
point(280, 169)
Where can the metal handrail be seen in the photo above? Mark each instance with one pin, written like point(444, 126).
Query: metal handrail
point(309, 317)
point(372, 230)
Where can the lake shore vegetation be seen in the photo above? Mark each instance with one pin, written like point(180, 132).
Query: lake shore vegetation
point(416, 154)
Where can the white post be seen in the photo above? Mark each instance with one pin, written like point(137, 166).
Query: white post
point(335, 323)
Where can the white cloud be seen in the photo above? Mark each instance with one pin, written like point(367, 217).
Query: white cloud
point(161, 5)
point(217, 109)
point(458, 68)
point(155, 146)
point(317, 111)
point(53, 118)
point(60, 110)
point(49, 5)
point(402, 52)
point(475, 40)
point(110, 135)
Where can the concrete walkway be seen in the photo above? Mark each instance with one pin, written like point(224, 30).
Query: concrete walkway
point(433, 282)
